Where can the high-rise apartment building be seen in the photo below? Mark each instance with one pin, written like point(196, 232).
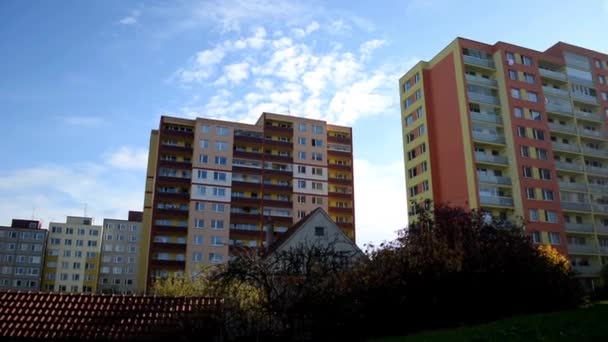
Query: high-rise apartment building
point(120, 253)
point(517, 133)
point(72, 256)
point(22, 248)
point(214, 184)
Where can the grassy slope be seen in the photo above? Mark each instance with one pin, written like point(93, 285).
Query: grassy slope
point(584, 324)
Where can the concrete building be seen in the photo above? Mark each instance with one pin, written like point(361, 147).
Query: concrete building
point(120, 252)
point(22, 247)
point(212, 184)
point(518, 133)
point(72, 258)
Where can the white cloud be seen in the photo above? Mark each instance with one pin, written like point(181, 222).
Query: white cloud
point(236, 72)
point(131, 19)
point(82, 121)
point(303, 32)
point(380, 203)
point(369, 46)
point(128, 158)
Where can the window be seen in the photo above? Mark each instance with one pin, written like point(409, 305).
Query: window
point(319, 231)
point(317, 200)
point(202, 174)
point(551, 217)
point(601, 79)
point(416, 78)
point(197, 257)
point(204, 143)
point(538, 134)
point(201, 190)
point(302, 141)
point(518, 112)
point(527, 172)
point(317, 156)
point(219, 176)
point(217, 241)
point(525, 60)
point(301, 213)
point(604, 96)
point(302, 155)
point(419, 113)
point(544, 173)
point(547, 195)
point(530, 193)
point(535, 115)
point(223, 131)
point(198, 240)
point(317, 129)
point(203, 159)
point(554, 238)
point(407, 103)
point(536, 237)
point(317, 185)
point(301, 199)
point(418, 94)
point(215, 258)
point(533, 214)
point(541, 153)
point(521, 132)
point(532, 96)
point(220, 160)
point(515, 93)
point(217, 224)
point(513, 75)
point(92, 243)
point(221, 145)
point(301, 184)
point(317, 142)
point(302, 127)
point(525, 151)
point(510, 57)
point(199, 223)
point(529, 78)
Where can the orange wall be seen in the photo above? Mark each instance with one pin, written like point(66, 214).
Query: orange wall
point(447, 162)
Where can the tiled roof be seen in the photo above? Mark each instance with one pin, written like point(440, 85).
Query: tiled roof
point(38, 315)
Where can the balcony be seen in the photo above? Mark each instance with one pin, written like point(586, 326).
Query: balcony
point(587, 270)
point(578, 80)
point(167, 246)
point(494, 179)
point(562, 109)
point(176, 164)
point(483, 157)
point(566, 147)
point(342, 167)
point(588, 249)
point(556, 91)
point(488, 118)
point(178, 134)
point(579, 228)
point(576, 206)
point(598, 188)
point(573, 186)
point(601, 228)
point(602, 153)
point(490, 138)
point(557, 75)
point(277, 203)
point(597, 170)
point(180, 264)
point(486, 63)
point(560, 165)
point(278, 158)
point(269, 129)
point(339, 140)
point(181, 150)
point(587, 116)
point(477, 97)
point(502, 201)
point(340, 194)
point(600, 208)
point(592, 134)
point(562, 128)
point(342, 181)
point(278, 187)
point(277, 143)
point(481, 80)
point(584, 98)
point(247, 154)
point(340, 210)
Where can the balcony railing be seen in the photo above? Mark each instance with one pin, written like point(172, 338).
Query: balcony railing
point(597, 170)
point(591, 269)
point(592, 134)
point(560, 165)
point(584, 98)
point(486, 63)
point(600, 208)
point(573, 186)
point(576, 206)
point(582, 248)
point(494, 179)
point(587, 116)
point(566, 147)
point(556, 91)
point(496, 200)
point(579, 227)
point(477, 97)
point(492, 138)
point(601, 228)
point(598, 188)
point(602, 153)
point(491, 118)
point(578, 80)
point(563, 109)
point(482, 80)
point(562, 128)
point(483, 157)
point(553, 74)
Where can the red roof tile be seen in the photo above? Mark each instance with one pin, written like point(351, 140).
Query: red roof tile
point(78, 316)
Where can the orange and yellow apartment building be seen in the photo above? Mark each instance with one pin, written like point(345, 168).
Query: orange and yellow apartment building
point(213, 186)
point(518, 133)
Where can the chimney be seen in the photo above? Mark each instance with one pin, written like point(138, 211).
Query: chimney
point(269, 232)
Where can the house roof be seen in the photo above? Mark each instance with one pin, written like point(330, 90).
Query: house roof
point(38, 315)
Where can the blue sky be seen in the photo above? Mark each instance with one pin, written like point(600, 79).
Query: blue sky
point(84, 82)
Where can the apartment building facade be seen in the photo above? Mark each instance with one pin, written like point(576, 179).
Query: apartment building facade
point(120, 255)
point(22, 247)
point(517, 133)
point(72, 256)
point(214, 184)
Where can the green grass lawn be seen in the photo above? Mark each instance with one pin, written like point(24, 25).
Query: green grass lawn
point(584, 324)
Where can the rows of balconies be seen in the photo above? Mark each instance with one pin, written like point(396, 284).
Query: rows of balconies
point(493, 118)
point(486, 63)
point(504, 201)
point(489, 138)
